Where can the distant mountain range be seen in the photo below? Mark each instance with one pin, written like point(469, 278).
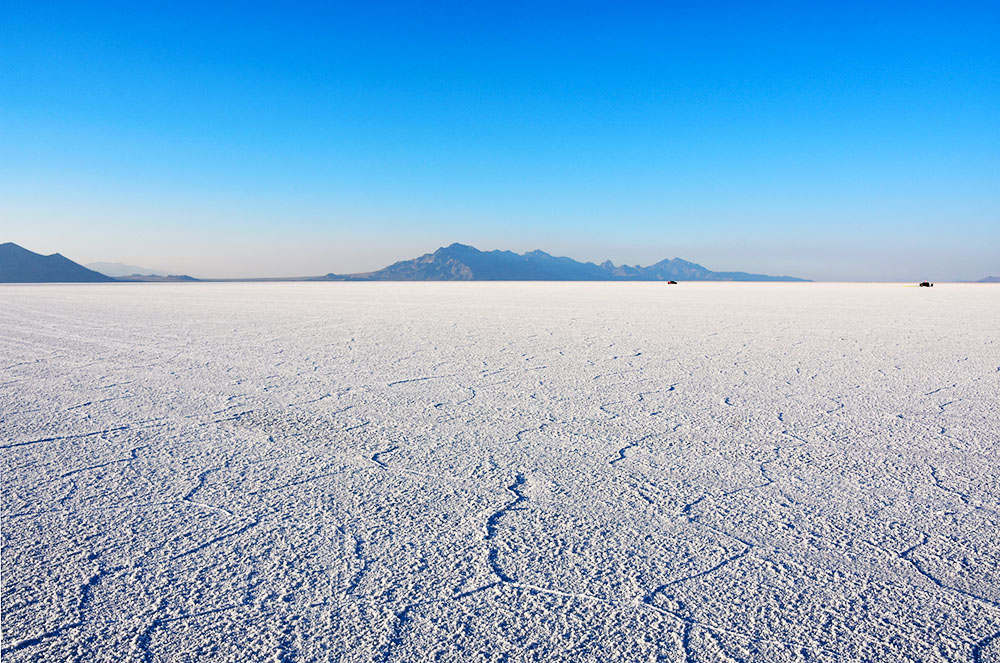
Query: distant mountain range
point(19, 265)
point(460, 262)
point(116, 269)
point(457, 262)
point(122, 272)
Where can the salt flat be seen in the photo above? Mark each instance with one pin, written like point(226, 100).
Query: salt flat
point(500, 472)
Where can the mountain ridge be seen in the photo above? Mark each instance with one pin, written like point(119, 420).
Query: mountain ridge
point(461, 262)
point(19, 265)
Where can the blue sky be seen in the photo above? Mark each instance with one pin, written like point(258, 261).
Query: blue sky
point(846, 142)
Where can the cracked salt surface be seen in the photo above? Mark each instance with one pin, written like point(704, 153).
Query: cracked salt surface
point(500, 472)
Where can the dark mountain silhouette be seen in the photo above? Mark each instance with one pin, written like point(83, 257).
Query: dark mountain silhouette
point(459, 262)
point(989, 279)
point(19, 265)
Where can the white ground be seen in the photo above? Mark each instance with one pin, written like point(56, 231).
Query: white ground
point(505, 472)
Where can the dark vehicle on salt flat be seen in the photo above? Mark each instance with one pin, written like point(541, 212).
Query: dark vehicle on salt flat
point(926, 284)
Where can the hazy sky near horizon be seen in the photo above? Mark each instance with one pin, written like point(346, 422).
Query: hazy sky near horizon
point(840, 141)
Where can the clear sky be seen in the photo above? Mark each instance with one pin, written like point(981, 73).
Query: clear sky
point(845, 141)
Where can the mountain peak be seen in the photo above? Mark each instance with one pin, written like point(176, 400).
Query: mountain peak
point(19, 265)
point(457, 246)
